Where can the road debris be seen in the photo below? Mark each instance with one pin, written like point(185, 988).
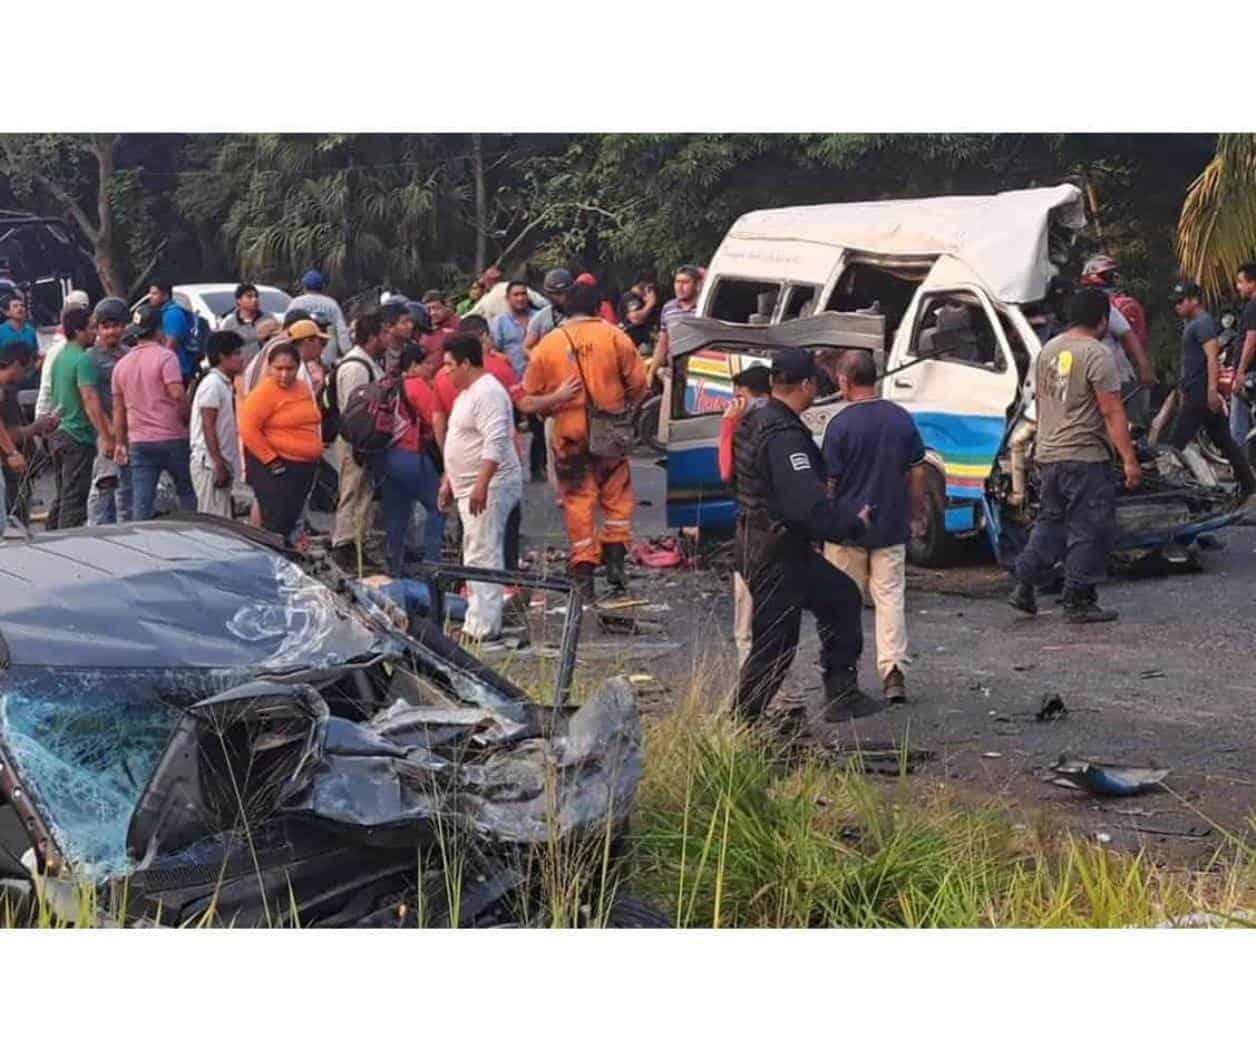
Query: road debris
point(1052, 709)
point(1106, 780)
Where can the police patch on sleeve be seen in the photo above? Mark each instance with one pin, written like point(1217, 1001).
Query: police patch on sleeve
point(799, 461)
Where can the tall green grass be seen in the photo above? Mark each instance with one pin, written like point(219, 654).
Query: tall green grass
point(734, 830)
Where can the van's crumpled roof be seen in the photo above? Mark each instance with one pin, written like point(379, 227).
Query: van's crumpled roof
point(1003, 238)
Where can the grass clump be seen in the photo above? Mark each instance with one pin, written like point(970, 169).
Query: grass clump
point(733, 830)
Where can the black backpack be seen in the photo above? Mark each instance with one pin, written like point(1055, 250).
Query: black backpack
point(367, 422)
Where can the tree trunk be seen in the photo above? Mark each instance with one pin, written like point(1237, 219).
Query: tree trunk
point(481, 203)
point(105, 148)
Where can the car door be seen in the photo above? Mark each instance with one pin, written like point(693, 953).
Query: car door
point(952, 368)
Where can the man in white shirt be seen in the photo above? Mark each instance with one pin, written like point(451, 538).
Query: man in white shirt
point(43, 401)
point(214, 438)
point(482, 474)
point(360, 365)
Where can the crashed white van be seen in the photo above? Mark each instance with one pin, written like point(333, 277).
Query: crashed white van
point(948, 278)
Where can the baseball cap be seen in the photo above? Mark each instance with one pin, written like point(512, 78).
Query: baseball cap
point(1185, 289)
point(793, 365)
point(77, 299)
point(112, 309)
point(305, 329)
point(557, 280)
point(586, 280)
point(312, 280)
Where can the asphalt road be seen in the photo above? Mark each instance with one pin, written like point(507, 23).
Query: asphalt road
point(1169, 684)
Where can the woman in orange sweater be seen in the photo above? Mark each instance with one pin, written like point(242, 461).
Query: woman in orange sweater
point(282, 432)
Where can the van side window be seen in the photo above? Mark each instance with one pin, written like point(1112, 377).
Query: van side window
point(800, 301)
point(738, 300)
point(955, 329)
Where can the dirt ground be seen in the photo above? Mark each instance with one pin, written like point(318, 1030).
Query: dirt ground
point(1166, 685)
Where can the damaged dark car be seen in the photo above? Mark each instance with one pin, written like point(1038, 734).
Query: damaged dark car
point(208, 729)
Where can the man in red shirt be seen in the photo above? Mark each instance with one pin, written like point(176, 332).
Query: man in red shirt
point(443, 320)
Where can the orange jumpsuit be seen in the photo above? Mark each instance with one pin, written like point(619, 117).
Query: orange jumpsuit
point(614, 374)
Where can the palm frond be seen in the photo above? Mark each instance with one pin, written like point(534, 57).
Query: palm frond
point(1217, 225)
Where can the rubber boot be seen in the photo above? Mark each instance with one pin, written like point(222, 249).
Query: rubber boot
point(1023, 599)
point(582, 583)
point(1081, 605)
point(614, 555)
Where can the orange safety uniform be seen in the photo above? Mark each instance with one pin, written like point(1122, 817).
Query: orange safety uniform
point(614, 376)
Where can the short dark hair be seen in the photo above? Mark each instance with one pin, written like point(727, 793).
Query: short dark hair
point(516, 283)
point(474, 325)
point(391, 312)
point(432, 296)
point(756, 378)
point(244, 289)
point(222, 344)
point(1248, 269)
point(688, 271)
point(367, 325)
point(858, 367)
point(293, 315)
point(75, 321)
point(582, 300)
point(163, 286)
point(1088, 307)
point(412, 354)
point(283, 349)
point(465, 347)
point(15, 353)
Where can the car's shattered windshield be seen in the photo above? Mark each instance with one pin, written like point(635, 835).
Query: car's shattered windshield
point(86, 742)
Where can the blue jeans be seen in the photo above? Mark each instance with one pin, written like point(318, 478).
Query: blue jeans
point(148, 460)
point(109, 504)
point(408, 477)
point(1240, 419)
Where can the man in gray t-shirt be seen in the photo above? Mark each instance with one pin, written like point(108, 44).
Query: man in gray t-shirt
point(1080, 419)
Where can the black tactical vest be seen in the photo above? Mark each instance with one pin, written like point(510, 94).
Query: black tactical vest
point(754, 489)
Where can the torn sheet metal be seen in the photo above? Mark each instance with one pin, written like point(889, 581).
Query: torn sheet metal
point(1109, 780)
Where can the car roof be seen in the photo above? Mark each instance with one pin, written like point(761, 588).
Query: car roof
point(197, 288)
point(187, 592)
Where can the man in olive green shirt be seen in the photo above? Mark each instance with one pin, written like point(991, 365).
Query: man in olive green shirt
point(76, 400)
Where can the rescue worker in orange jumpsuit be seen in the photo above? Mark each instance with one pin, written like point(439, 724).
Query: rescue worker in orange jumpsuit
point(583, 362)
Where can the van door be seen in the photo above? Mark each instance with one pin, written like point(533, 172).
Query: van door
point(959, 378)
point(700, 387)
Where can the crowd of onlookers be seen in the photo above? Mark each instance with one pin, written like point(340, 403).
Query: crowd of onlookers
point(436, 401)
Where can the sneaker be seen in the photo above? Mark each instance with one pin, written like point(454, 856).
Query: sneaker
point(1023, 599)
point(894, 687)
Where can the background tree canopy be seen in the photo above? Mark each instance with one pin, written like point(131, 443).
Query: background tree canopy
point(419, 211)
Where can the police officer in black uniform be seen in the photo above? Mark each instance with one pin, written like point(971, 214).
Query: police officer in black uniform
point(784, 509)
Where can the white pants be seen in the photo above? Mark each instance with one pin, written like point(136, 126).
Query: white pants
point(743, 615)
point(482, 547)
point(883, 572)
point(209, 499)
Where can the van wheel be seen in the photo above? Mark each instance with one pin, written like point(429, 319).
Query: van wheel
point(934, 549)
